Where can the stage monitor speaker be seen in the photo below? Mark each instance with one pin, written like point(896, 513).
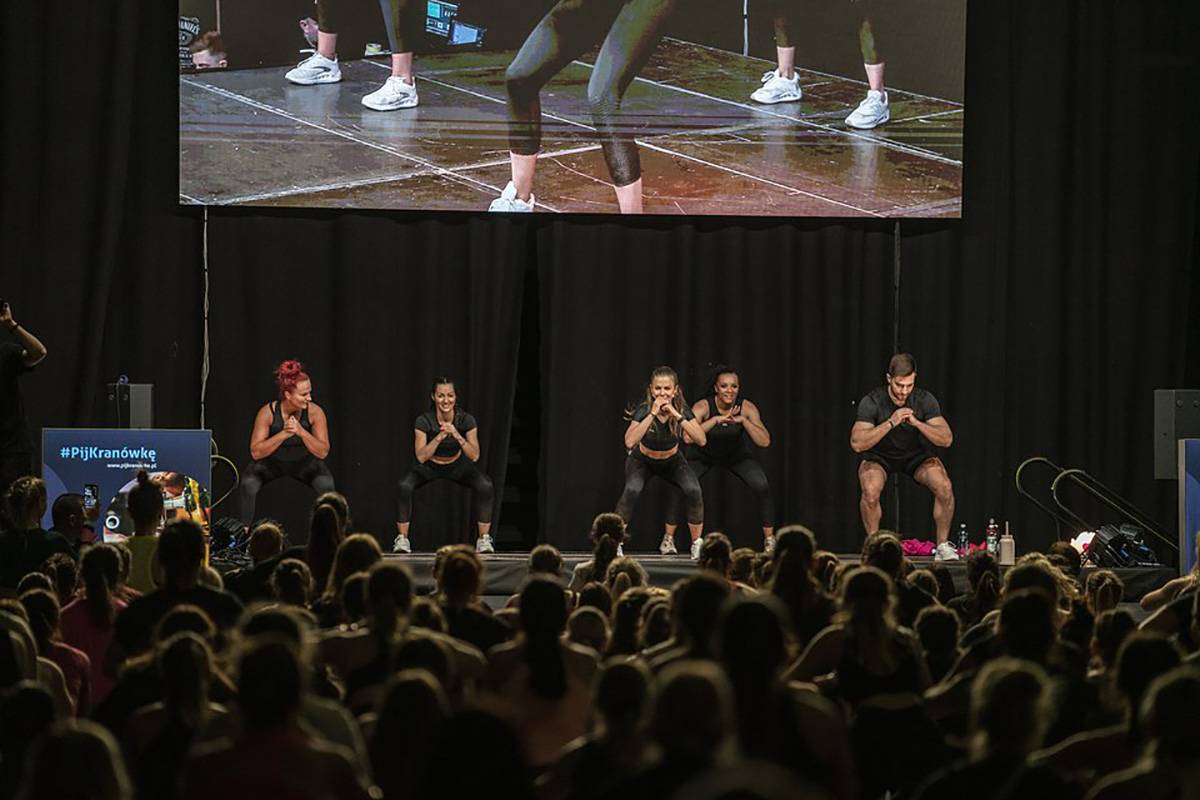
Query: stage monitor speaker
point(1176, 416)
point(131, 405)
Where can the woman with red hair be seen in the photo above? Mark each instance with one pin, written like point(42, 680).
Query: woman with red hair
point(290, 439)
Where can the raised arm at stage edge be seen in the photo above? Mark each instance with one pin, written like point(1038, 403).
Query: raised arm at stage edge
point(35, 351)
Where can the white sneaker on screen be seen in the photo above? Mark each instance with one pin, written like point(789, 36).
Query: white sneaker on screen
point(778, 89)
point(315, 69)
point(768, 545)
point(667, 545)
point(509, 202)
point(871, 112)
point(484, 544)
point(395, 93)
point(945, 552)
point(401, 544)
point(696, 543)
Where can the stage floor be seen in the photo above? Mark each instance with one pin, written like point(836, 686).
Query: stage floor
point(250, 137)
point(505, 572)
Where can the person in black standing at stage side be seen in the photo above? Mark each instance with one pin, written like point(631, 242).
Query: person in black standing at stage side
point(896, 430)
point(657, 430)
point(446, 444)
point(728, 419)
point(16, 358)
point(290, 439)
point(631, 29)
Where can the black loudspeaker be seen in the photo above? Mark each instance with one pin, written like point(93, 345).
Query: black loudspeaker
point(1121, 546)
point(1176, 416)
point(131, 405)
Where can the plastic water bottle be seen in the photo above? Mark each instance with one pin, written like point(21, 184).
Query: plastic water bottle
point(993, 537)
point(964, 541)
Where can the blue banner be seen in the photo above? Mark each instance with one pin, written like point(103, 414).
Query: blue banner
point(102, 464)
point(1189, 502)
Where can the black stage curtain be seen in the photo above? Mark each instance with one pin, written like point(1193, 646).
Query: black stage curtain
point(376, 309)
point(1044, 320)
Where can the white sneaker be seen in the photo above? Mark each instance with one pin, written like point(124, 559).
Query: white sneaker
point(696, 549)
point(620, 550)
point(778, 89)
point(667, 545)
point(394, 94)
point(508, 201)
point(871, 112)
point(768, 545)
point(945, 552)
point(401, 544)
point(484, 544)
point(315, 69)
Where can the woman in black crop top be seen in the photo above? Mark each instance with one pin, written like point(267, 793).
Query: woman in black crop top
point(446, 444)
point(290, 439)
point(728, 420)
point(656, 430)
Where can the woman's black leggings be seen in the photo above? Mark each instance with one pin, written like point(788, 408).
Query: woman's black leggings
point(785, 12)
point(674, 470)
point(258, 474)
point(464, 472)
point(398, 16)
point(567, 31)
point(748, 472)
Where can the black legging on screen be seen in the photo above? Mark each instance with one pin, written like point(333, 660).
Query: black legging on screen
point(784, 14)
point(674, 470)
point(257, 474)
point(749, 472)
point(464, 472)
point(397, 14)
point(567, 31)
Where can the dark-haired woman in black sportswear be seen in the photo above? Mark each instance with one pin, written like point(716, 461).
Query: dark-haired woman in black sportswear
point(729, 420)
point(631, 29)
point(446, 444)
point(654, 438)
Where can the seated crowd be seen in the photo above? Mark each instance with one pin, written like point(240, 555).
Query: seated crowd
point(318, 672)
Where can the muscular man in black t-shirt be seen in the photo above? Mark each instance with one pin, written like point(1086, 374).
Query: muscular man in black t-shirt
point(896, 430)
point(16, 358)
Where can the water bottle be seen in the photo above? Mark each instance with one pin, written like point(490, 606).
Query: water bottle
point(964, 541)
point(1008, 548)
point(993, 537)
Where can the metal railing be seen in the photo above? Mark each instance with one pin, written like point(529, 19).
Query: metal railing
point(1063, 515)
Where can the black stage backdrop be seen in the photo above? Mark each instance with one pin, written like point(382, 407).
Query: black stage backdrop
point(1043, 320)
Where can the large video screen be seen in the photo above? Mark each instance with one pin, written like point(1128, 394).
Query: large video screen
point(782, 108)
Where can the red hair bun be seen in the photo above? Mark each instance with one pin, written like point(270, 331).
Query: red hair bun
point(288, 374)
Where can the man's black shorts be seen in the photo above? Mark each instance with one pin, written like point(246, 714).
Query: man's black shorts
point(908, 465)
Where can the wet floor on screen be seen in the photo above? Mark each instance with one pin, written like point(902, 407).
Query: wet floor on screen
point(248, 136)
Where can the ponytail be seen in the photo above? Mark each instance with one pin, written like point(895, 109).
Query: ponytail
point(987, 592)
point(543, 613)
point(100, 570)
point(145, 501)
point(603, 555)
